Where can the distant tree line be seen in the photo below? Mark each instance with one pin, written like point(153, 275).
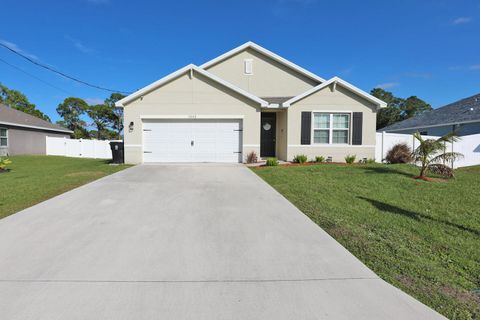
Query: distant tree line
point(397, 109)
point(104, 118)
point(17, 100)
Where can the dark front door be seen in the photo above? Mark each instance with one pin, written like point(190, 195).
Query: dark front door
point(267, 134)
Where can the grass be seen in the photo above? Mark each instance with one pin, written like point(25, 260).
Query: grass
point(33, 179)
point(423, 237)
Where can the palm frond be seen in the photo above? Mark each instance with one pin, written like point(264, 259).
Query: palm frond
point(447, 156)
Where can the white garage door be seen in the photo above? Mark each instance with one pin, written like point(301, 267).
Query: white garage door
point(198, 140)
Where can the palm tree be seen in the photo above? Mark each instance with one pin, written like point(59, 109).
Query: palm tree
point(431, 152)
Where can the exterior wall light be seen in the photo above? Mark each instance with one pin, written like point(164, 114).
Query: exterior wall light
point(130, 126)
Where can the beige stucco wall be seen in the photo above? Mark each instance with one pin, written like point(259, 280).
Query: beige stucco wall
point(190, 96)
point(269, 79)
point(281, 135)
point(28, 140)
point(329, 100)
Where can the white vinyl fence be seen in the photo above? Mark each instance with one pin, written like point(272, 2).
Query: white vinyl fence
point(469, 146)
point(79, 148)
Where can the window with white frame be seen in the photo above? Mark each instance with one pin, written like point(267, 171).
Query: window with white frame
point(331, 128)
point(3, 137)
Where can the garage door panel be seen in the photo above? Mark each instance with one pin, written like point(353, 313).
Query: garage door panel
point(192, 140)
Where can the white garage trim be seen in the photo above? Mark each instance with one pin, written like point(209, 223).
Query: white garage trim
point(192, 140)
point(191, 116)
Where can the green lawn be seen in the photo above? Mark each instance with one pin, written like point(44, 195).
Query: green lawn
point(423, 237)
point(33, 179)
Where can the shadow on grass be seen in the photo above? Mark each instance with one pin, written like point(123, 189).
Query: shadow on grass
point(382, 206)
point(388, 170)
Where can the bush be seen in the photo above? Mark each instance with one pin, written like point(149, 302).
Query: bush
point(252, 157)
point(4, 163)
point(271, 162)
point(350, 158)
point(300, 158)
point(366, 161)
point(441, 169)
point(399, 153)
point(319, 159)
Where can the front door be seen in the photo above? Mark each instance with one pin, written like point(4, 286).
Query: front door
point(267, 134)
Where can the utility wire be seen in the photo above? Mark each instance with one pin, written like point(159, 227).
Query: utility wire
point(35, 77)
point(59, 72)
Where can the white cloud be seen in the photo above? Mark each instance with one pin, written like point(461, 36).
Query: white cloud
point(387, 85)
point(462, 20)
point(474, 67)
point(15, 47)
point(94, 101)
point(79, 45)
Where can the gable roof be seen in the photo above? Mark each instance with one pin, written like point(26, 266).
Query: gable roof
point(176, 74)
point(462, 111)
point(16, 118)
point(343, 83)
point(265, 52)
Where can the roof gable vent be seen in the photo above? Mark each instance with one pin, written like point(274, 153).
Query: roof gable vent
point(248, 66)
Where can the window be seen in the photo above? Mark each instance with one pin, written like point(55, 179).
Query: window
point(3, 137)
point(331, 128)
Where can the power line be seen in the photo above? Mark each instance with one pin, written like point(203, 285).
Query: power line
point(59, 72)
point(35, 77)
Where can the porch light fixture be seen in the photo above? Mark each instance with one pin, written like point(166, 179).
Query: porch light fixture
point(130, 126)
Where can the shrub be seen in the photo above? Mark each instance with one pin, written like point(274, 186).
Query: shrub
point(350, 158)
point(300, 158)
point(252, 157)
point(399, 153)
point(319, 159)
point(366, 161)
point(4, 163)
point(441, 169)
point(271, 162)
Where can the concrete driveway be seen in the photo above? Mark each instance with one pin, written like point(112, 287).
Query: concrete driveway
point(183, 242)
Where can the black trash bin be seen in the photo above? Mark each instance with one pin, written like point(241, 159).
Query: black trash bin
point(117, 151)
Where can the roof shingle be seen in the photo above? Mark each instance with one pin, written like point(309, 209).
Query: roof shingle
point(18, 118)
point(465, 110)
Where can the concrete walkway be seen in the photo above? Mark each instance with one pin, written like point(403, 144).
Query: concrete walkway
point(183, 242)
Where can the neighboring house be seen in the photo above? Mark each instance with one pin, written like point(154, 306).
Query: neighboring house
point(462, 116)
point(21, 133)
point(248, 99)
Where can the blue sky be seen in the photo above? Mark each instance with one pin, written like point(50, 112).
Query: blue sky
point(426, 48)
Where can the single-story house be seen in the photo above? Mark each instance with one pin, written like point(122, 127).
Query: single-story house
point(21, 133)
point(462, 116)
point(247, 100)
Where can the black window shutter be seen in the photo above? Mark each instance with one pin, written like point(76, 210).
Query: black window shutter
point(357, 128)
point(306, 130)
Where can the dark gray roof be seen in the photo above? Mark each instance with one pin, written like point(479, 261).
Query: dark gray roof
point(276, 100)
point(465, 110)
point(10, 116)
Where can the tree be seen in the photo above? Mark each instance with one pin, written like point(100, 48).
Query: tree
point(431, 152)
point(71, 111)
point(387, 116)
point(413, 106)
point(102, 116)
point(117, 113)
point(17, 100)
point(397, 109)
